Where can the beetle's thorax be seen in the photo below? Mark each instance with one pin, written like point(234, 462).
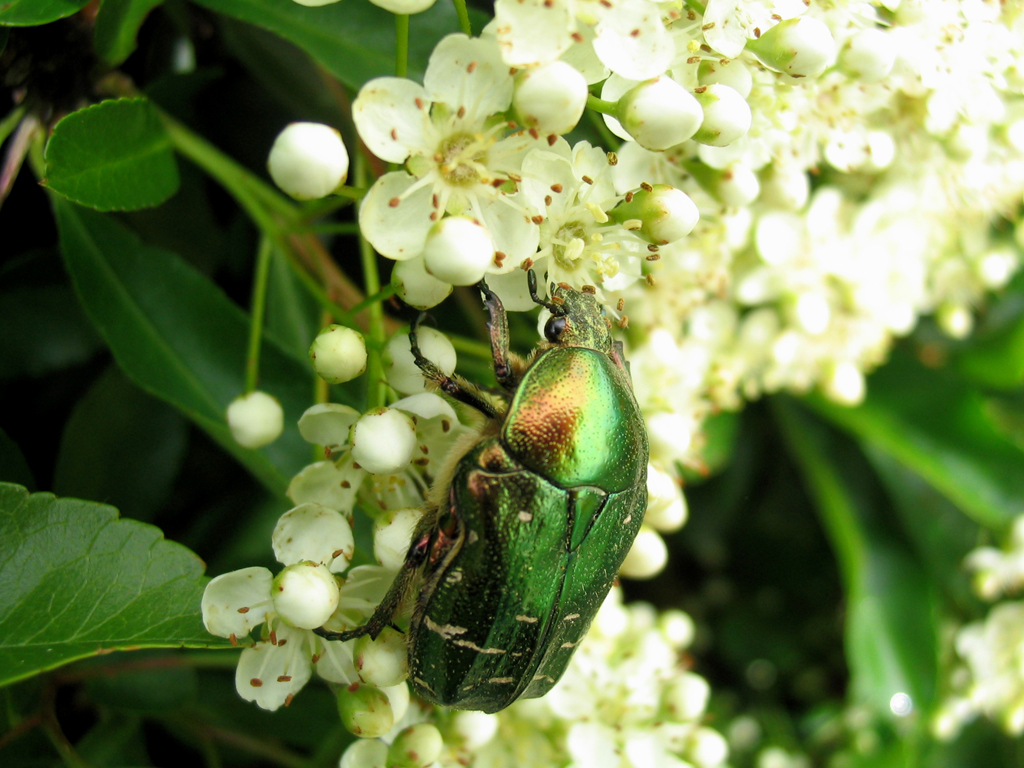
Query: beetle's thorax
point(585, 323)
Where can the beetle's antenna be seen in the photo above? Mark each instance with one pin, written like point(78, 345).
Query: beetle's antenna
point(531, 280)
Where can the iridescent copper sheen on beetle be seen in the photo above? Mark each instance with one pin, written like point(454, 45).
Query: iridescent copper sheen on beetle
point(522, 536)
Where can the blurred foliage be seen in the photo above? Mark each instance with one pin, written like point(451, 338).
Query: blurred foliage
point(822, 557)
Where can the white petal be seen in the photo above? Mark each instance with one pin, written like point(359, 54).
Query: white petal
point(583, 58)
point(723, 32)
point(632, 41)
point(334, 662)
point(543, 174)
point(426, 405)
point(313, 532)
point(325, 483)
point(271, 674)
point(465, 72)
point(235, 602)
point(592, 162)
point(512, 232)
point(533, 31)
point(396, 227)
point(392, 115)
point(327, 423)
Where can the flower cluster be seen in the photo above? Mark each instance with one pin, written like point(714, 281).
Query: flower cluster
point(990, 679)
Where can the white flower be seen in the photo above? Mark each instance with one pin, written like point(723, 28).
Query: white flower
point(629, 35)
point(579, 244)
point(457, 161)
point(274, 668)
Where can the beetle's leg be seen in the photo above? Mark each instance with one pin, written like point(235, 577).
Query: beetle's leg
point(382, 616)
point(531, 281)
point(619, 356)
point(462, 392)
point(498, 327)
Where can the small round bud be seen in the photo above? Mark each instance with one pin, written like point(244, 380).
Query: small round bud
point(785, 186)
point(868, 56)
point(726, 115)
point(813, 312)
point(997, 267)
point(800, 47)
point(659, 113)
point(400, 367)
point(255, 419)
point(382, 662)
point(647, 557)
point(735, 185)
point(338, 354)
point(404, 7)
point(308, 160)
point(365, 753)
point(686, 696)
point(666, 506)
point(417, 746)
point(458, 251)
point(383, 441)
point(708, 748)
point(365, 711)
point(845, 384)
point(955, 320)
point(417, 287)
point(733, 73)
point(660, 214)
point(474, 729)
point(550, 98)
point(392, 532)
point(305, 595)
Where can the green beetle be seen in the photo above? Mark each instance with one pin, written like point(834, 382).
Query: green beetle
point(523, 534)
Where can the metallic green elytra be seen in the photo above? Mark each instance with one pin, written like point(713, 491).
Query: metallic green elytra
point(522, 537)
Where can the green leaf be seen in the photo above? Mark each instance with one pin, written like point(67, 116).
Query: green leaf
point(117, 25)
point(30, 13)
point(355, 41)
point(994, 355)
point(122, 446)
point(77, 581)
point(891, 642)
point(935, 424)
point(179, 337)
point(293, 317)
point(45, 330)
point(13, 467)
point(112, 156)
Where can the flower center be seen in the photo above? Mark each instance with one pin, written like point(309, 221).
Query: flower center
point(462, 159)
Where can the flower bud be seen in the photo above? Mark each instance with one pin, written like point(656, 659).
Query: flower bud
point(400, 367)
point(735, 185)
point(845, 384)
point(365, 711)
point(365, 753)
point(647, 556)
point(416, 747)
point(458, 251)
point(474, 729)
point(382, 662)
point(800, 47)
point(404, 7)
point(785, 186)
point(550, 98)
point(308, 160)
point(660, 214)
point(726, 115)
point(708, 748)
point(659, 113)
point(383, 441)
point(666, 506)
point(868, 56)
point(731, 72)
point(955, 319)
point(305, 595)
point(255, 419)
point(417, 287)
point(686, 696)
point(338, 354)
point(392, 532)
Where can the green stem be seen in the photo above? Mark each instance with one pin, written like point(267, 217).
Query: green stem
point(340, 314)
point(9, 123)
point(602, 106)
point(377, 390)
point(471, 347)
point(336, 228)
point(463, 12)
point(608, 139)
point(259, 302)
point(401, 45)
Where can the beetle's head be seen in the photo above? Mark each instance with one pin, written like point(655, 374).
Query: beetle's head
point(577, 319)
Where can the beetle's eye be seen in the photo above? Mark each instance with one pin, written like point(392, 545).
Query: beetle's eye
point(554, 329)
